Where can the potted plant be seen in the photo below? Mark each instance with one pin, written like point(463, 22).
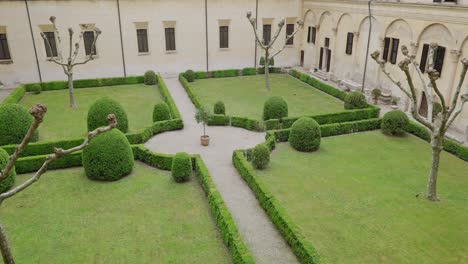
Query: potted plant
point(395, 101)
point(376, 93)
point(202, 116)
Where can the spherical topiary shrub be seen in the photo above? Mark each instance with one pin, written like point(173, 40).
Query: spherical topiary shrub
point(189, 75)
point(260, 156)
point(36, 88)
point(181, 167)
point(98, 112)
point(150, 78)
point(355, 100)
point(436, 109)
point(394, 123)
point(275, 108)
point(161, 112)
point(14, 124)
point(9, 181)
point(305, 135)
point(108, 157)
point(219, 108)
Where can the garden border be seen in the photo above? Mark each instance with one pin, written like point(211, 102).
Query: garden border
point(257, 125)
point(141, 136)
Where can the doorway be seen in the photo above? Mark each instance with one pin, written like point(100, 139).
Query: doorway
point(423, 105)
point(302, 58)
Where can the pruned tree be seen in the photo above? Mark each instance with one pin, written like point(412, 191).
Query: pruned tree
point(38, 111)
point(267, 47)
point(440, 122)
point(69, 63)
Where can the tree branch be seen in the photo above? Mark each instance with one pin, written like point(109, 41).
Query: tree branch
point(300, 25)
point(459, 86)
point(253, 22)
point(59, 39)
point(58, 153)
point(49, 48)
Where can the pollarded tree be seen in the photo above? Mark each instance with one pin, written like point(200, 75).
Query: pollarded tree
point(267, 47)
point(441, 121)
point(69, 63)
point(38, 111)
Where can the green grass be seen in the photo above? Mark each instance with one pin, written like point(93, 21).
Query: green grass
point(244, 96)
point(143, 218)
point(63, 122)
point(355, 199)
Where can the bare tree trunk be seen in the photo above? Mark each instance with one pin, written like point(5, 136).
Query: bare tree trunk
point(5, 248)
point(71, 91)
point(436, 144)
point(267, 70)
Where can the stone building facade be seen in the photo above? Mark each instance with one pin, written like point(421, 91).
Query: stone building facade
point(171, 36)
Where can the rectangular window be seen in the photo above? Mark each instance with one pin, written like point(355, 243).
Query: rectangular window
point(88, 37)
point(289, 32)
point(327, 42)
point(394, 55)
point(4, 49)
point(439, 56)
point(266, 34)
point(170, 39)
point(142, 37)
point(224, 37)
point(311, 35)
point(50, 36)
point(425, 52)
point(386, 49)
point(349, 43)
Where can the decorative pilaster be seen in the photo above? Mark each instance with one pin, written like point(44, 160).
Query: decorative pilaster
point(454, 56)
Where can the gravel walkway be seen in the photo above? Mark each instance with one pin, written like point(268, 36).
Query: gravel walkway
point(259, 233)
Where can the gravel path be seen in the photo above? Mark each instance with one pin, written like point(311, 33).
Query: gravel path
point(263, 239)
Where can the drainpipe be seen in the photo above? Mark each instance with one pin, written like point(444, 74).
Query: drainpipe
point(256, 26)
point(34, 42)
point(368, 46)
point(121, 39)
point(206, 35)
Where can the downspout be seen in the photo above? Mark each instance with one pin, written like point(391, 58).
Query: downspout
point(121, 39)
point(256, 27)
point(34, 42)
point(206, 35)
point(368, 46)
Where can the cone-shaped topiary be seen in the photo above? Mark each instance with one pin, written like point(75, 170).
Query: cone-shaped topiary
point(394, 123)
point(189, 75)
point(181, 167)
point(219, 108)
point(150, 78)
point(260, 156)
point(275, 108)
point(108, 157)
point(9, 181)
point(14, 124)
point(355, 100)
point(98, 112)
point(161, 112)
point(305, 135)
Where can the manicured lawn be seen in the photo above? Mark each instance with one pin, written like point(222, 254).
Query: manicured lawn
point(355, 199)
point(63, 122)
point(143, 218)
point(244, 96)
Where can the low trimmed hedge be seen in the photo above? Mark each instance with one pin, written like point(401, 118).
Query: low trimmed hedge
point(261, 70)
point(225, 73)
point(303, 249)
point(189, 91)
point(15, 96)
point(450, 146)
point(158, 127)
point(201, 75)
point(219, 120)
point(167, 97)
point(157, 160)
point(249, 124)
point(318, 84)
point(273, 124)
point(240, 253)
point(34, 163)
point(249, 71)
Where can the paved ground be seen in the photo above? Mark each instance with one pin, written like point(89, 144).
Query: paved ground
point(263, 239)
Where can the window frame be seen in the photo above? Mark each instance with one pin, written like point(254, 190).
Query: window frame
point(142, 41)
point(53, 44)
point(349, 43)
point(290, 27)
point(170, 39)
point(269, 33)
point(224, 37)
point(5, 47)
point(86, 48)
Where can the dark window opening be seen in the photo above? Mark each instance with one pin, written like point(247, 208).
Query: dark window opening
point(349, 43)
point(224, 37)
point(88, 37)
point(50, 36)
point(266, 34)
point(170, 39)
point(4, 49)
point(142, 37)
point(289, 32)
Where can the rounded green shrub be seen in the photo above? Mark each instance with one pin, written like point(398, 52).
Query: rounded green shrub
point(9, 181)
point(260, 156)
point(436, 109)
point(108, 157)
point(219, 108)
point(150, 78)
point(181, 167)
point(14, 124)
point(305, 135)
point(355, 100)
point(98, 112)
point(394, 123)
point(275, 108)
point(161, 112)
point(35, 88)
point(189, 75)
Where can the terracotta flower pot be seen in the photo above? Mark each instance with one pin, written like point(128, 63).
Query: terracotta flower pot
point(205, 140)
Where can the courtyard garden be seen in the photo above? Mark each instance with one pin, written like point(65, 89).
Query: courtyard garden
point(245, 95)
point(136, 99)
point(147, 216)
